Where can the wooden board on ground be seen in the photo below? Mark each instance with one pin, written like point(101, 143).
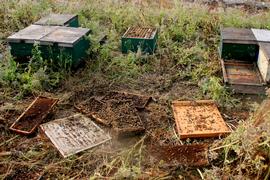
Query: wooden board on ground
point(198, 119)
point(33, 115)
point(74, 134)
point(186, 155)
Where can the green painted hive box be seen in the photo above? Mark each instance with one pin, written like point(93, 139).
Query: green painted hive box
point(137, 37)
point(69, 20)
point(238, 44)
point(22, 42)
point(68, 41)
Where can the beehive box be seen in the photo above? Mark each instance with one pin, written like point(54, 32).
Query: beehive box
point(67, 41)
point(238, 44)
point(137, 37)
point(54, 41)
point(69, 20)
point(22, 42)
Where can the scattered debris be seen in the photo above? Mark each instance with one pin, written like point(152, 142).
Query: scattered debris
point(118, 110)
point(186, 155)
point(138, 37)
point(139, 101)
point(198, 119)
point(69, 20)
point(33, 115)
point(126, 120)
point(74, 134)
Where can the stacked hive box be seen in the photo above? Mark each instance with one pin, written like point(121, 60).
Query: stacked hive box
point(53, 40)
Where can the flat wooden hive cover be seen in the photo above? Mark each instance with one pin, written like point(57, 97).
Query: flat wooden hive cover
point(56, 19)
point(262, 35)
point(237, 34)
point(31, 33)
point(140, 32)
point(242, 73)
point(65, 36)
point(74, 134)
point(196, 119)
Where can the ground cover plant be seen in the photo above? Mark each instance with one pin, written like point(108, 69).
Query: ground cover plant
point(185, 67)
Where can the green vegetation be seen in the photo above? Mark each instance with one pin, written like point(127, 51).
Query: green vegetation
point(185, 65)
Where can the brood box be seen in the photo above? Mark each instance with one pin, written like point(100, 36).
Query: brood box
point(69, 20)
point(137, 37)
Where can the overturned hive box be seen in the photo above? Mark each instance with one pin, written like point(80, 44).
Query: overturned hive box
point(69, 20)
point(137, 37)
point(198, 119)
point(22, 42)
point(74, 134)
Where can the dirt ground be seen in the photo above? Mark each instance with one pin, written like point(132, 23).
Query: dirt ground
point(151, 124)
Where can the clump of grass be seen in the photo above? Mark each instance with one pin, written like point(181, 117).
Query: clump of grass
point(218, 92)
point(247, 150)
point(37, 75)
point(126, 164)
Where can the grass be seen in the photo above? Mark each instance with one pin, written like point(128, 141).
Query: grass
point(185, 65)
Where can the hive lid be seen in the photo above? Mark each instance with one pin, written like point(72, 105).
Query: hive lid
point(64, 36)
point(31, 33)
point(56, 19)
point(237, 35)
point(262, 35)
point(74, 134)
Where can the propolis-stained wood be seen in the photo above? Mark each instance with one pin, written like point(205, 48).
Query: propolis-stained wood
point(198, 119)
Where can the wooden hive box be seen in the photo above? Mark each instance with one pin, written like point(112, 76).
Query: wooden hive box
point(138, 37)
point(69, 20)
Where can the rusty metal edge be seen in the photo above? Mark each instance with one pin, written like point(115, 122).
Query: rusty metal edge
point(43, 117)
